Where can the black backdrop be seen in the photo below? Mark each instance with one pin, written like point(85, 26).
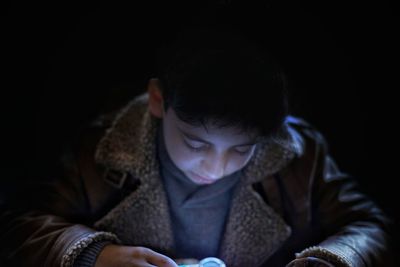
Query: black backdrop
point(63, 63)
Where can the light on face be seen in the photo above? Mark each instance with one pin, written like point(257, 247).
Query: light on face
point(210, 153)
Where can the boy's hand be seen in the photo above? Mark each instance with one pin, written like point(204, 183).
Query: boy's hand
point(125, 256)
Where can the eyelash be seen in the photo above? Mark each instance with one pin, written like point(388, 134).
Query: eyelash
point(199, 149)
point(195, 149)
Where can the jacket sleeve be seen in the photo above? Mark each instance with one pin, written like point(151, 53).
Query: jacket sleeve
point(47, 224)
point(357, 229)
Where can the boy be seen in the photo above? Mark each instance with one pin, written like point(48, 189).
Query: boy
point(208, 163)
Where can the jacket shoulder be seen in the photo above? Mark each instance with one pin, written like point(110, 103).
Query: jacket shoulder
point(306, 133)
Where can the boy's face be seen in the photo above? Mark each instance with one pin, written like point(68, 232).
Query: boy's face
point(206, 155)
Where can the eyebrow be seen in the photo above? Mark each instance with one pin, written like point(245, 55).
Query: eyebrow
point(196, 138)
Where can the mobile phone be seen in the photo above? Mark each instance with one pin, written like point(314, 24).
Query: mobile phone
point(206, 262)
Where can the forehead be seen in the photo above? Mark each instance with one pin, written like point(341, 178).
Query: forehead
point(210, 131)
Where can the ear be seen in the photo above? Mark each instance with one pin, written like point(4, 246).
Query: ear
point(156, 103)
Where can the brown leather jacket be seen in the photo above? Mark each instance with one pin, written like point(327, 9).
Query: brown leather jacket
point(292, 199)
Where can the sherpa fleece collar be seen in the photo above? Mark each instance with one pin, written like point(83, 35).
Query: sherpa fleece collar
point(129, 145)
point(253, 229)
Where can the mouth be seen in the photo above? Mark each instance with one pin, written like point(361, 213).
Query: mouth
point(200, 179)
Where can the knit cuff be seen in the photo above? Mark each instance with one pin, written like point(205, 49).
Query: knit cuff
point(87, 258)
point(78, 247)
point(325, 254)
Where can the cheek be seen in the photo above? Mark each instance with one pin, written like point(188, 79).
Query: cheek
point(180, 155)
point(237, 162)
point(181, 158)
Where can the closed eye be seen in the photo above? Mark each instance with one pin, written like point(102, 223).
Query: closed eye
point(194, 145)
point(198, 145)
point(243, 150)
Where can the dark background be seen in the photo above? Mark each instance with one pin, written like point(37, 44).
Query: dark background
point(64, 63)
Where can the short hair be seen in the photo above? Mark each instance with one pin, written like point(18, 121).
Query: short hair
point(219, 77)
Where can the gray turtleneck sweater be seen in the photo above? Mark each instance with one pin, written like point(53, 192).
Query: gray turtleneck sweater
point(198, 212)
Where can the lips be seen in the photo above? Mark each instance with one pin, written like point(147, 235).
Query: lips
point(201, 180)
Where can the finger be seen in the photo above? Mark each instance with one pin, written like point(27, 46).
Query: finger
point(158, 259)
point(309, 262)
point(317, 262)
point(297, 263)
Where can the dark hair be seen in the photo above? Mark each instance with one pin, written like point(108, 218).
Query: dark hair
point(218, 77)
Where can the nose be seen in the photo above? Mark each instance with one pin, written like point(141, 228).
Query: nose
point(214, 166)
